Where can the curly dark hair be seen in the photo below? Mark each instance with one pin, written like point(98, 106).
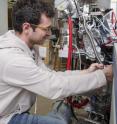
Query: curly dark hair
point(29, 11)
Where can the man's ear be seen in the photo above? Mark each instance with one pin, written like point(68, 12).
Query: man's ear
point(26, 28)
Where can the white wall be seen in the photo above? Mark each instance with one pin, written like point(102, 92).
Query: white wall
point(114, 6)
point(104, 3)
point(3, 16)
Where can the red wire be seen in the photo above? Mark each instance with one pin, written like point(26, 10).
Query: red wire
point(69, 99)
point(112, 18)
point(77, 105)
point(70, 44)
point(114, 21)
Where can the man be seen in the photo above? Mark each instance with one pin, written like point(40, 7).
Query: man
point(23, 76)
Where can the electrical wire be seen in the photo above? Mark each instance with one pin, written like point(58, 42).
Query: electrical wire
point(77, 7)
point(78, 51)
point(113, 15)
point(70, 44)
point(84, 53)
point(107, 14)
point(92, 41)
point(35, 109)
point(104, 27)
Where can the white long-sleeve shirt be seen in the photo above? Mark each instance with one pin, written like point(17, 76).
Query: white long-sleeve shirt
point(21, 79)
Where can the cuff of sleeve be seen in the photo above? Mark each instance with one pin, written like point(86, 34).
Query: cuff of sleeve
point(101, 77)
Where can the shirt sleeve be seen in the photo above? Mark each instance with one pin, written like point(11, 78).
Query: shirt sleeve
point(24, 73)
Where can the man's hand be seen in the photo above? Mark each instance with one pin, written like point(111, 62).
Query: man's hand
point(95, 66)
point(108, 72)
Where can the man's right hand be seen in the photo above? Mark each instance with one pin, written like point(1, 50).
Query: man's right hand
point(108, 72)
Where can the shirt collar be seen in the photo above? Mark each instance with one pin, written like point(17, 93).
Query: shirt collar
point(19, 43)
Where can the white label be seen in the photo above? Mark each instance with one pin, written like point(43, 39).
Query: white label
point(63, 52)
point(42, 51)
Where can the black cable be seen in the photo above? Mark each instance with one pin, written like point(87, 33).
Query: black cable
point(59, 105)
point(73, 113)
point(76, 6)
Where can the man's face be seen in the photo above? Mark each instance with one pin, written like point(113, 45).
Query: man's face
point(41, 32)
